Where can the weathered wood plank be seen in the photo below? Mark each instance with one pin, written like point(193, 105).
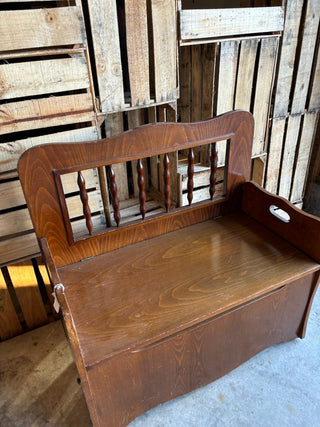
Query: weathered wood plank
point(16, 248)
point(289, 152)
point(226, 84)
point(41, 28)
point(274, 154)
point(314, 104)
point(40, 77)
point(288, 52)
point(303, 158)
point(310, 33)
point(185, 83)
point(138, 51)
point(11, 151)
point(247, 59)
point(198, 24)
point(9, 322)
point(45, 112)
point(26, 287)
point(106, 45)
point(196, 91)
point(165, 48)
point(264, 86)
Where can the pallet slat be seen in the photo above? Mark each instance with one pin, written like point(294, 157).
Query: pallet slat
point(26, 288)
point(41, 77)
point(226, 84)
point(303, 157)
point(138, 51)
point(9, 322)
point(274, 154)
point(164, 43)
point(106, 45)
point(45, 112)
point(16, 248)
point(198, 24)
point(264, 84)
point(11, 151)
point(41, 28)
point(247, 59)
point(288, 52)
point(314, 104)
point(289, 152)
point(310, 33)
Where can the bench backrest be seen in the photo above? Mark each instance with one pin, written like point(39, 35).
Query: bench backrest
point(42, 168)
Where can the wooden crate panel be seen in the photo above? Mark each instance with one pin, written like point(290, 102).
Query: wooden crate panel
point(246, 67)
point(304, 71)
point(288, 53)
point(9, 322)
point(264, 85)
point(165, 49)
point(314, 104)
point(45, 112)
point(274, 154)
point(40, 77)
point(218, 23)
point(303, 157)
point(106, 44)
point(26, 288)
point(37, 28)
point(138, 51)
point(11, 151)
point(19, 247)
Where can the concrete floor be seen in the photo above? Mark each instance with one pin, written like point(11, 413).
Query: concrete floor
point(278, 387)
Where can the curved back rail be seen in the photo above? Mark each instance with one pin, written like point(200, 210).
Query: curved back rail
point(41, 167)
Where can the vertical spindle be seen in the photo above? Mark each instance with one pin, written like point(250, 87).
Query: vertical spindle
point(85, 202)
point(114, 195)
point(166, 178)
point(142, 193)
point(190, 175)
point(213, 173)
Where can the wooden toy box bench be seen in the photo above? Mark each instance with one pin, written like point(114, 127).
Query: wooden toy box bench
point(166, 304)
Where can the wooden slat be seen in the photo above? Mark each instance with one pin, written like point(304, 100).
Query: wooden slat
point(306, 58)
point(106, 45)
point(289, 152)
point(40, 77)
point(11, 151)
point(288, 52)
point(45, 112)
point(25, 29)
point(9, 322)
point(214, 23)
point(196, 91)
point(26, 287)
point(164, 43)
point(138, 51)
point(274, 155)
point(304, 153)
point(264, 86)
point(17, 248)
point(185, 83)
point(247, 59)
point(226, 84)
point(314, 104)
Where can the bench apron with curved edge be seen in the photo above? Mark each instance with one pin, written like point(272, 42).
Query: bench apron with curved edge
point(168, 303)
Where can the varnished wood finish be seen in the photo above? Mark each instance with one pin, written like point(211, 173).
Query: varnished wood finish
point(213, 170)
point(190, 175)
point(114, 194)
point(85, 202)
point(196, 285)
point(167, 304)
point(36, 164)
point(141, 185)
point(166, 179)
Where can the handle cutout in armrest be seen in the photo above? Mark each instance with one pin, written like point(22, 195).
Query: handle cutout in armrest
point(279, 213)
